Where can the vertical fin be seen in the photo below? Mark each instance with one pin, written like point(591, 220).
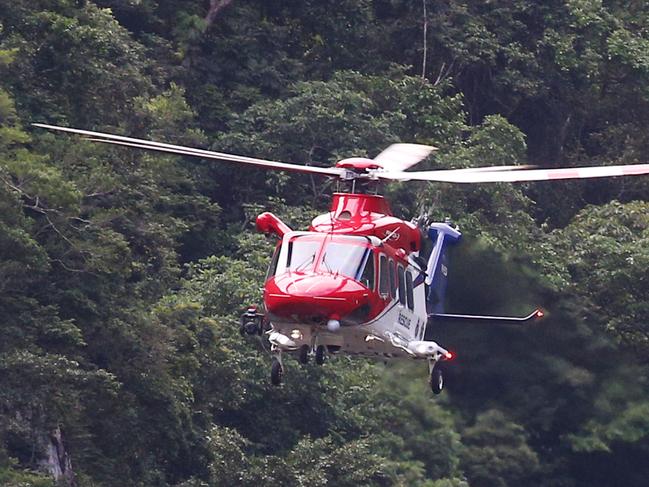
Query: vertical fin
point(442, 235)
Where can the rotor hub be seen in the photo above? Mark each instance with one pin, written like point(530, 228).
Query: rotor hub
point(358, 164)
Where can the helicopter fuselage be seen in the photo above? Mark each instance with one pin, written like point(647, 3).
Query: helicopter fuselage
point(352, 284)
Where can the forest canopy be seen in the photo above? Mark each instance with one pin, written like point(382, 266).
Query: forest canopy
point(123, 273)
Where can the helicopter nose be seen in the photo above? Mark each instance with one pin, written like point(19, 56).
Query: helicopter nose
point(313, 298)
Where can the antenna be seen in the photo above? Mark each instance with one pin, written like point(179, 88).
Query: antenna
point(389, 235)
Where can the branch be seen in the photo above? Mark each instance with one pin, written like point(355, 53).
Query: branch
point(71, 269)
point(50, 223)
point(99, 194)
point(423, 62)
point(34, 204)
point(17, 189)
point(444, 71)
point(216, 6)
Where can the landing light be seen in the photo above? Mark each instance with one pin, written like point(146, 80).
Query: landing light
point(296, 334)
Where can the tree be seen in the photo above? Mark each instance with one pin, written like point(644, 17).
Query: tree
point(607, 246)
point(497, 453)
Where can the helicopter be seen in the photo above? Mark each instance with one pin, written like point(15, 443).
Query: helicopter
point(361, 281)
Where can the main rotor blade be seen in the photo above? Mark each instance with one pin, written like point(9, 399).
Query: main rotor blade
point(443, 173)
point(189, 151)
point(399, 157)
point(461, 176)
point(485, 169)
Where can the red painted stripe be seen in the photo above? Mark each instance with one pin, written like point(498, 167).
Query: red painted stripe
point(563, 174)
point(637, 169)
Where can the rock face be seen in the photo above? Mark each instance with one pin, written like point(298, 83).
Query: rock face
point(56, 460)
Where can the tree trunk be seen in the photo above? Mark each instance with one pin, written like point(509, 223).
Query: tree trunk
point(215, 9)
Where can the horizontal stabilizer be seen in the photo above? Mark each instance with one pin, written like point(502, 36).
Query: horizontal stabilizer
point(496, 320)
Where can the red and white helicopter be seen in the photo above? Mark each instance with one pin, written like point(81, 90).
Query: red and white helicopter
point(359, 280)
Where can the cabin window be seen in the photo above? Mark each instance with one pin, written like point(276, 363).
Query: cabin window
point(302, 252)
point(272, 268)
point(367, 277)
point(384, 276)
point(402, 286)
point(393, 279)
point(410, 291)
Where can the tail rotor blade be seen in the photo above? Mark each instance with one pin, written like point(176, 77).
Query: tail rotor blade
point(399, 157)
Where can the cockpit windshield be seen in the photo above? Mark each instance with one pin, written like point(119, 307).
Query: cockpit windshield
point(302, 252)
point(344, 255)
point(347, 258)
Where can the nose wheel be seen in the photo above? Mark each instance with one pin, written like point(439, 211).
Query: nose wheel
point(303, 356)
point(320, 354)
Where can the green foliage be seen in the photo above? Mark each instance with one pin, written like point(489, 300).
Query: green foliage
point(321, 122)
point(608, 257)
point(631, 426)
point(122, 273)
point(497, 453)
point(84, 65)
point(12, 478)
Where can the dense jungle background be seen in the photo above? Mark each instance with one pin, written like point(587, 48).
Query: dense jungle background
point(123, 273)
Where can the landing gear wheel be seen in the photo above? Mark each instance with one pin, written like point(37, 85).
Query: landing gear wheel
point(320, 354)
point(303, 356)
point(276, 372)
point(436, 380)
